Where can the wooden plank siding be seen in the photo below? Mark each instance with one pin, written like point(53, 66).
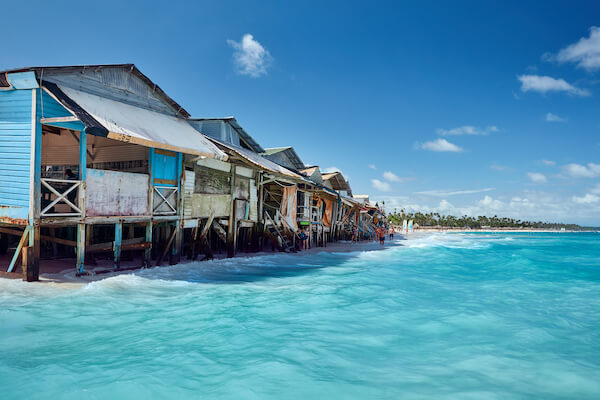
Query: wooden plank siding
point(15, 153)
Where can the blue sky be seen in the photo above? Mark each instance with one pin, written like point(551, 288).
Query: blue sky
point(375, 89)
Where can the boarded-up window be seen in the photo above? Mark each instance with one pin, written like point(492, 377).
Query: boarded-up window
point(211, 181)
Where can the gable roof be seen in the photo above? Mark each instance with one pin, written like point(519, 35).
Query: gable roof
point(131, 68)
point(313, 173)
point(256, 159)
point(337, 180)
point(288, 152)
point(102, 116)
point(244, 136)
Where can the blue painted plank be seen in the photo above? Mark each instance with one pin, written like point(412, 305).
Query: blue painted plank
point(15, 148)
point(22, 80)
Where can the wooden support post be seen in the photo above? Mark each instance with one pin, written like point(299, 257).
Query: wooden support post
point(176, 249)
point(232, 225)
point(118, 242)
point(31, 270)
point(22, 244)
point(89, 238)
point(80, 248)
point(148, 250)
point(167, 247)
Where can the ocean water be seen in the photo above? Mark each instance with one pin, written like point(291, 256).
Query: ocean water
point(446, 316)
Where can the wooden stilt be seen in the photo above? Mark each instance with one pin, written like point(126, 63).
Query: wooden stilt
point(176, 249)
point(231, 226)
point(167, 247)
point(89, 239)
point(118, 242)
point(80, 248)
point(148, 251)
point(31, 271)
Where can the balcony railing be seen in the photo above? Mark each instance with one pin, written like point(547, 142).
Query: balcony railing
point(66, 193)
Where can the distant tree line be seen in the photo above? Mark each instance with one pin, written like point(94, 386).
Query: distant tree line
point(434, 219)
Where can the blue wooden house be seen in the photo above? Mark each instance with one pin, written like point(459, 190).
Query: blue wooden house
point(91, 148)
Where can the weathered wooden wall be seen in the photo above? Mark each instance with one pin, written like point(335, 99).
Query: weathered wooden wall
point(112, 193)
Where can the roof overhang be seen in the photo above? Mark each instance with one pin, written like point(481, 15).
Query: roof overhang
point(131, 124)
point(256, 159)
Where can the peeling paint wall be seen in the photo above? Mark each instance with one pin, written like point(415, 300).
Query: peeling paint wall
point(112, 193)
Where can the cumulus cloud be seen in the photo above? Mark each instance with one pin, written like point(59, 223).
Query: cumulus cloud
point(554, 118)
point(445, 193)
point(585, 53)
point(528, 205)
point(372, 166)
point(381, 186)
point(587, 199)
point(441, 145)
point(391, 177)
point(467, 130)
point(536, 177)
point(590, 170)
point(545, 84)
point(250, 57)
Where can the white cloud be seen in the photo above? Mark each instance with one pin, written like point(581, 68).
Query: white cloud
point(554, 118)
point(441, 145)
point(548, 163)
point(587, 199)
point(381, 186)
point(250, 57)
point(491, 204)
point(536, 177)
point(445, 193)
point(585, 53)
point(545, 84)
point(582, 171)
point(391, 177)
point(596, 189)
point(372, 166)
point(528, 205)
point(467, 130)
point(497, 167)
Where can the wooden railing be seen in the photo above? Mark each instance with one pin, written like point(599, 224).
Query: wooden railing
point(62, 189)
point(165, 200)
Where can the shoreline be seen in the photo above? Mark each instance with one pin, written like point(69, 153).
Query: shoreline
point(66, 278)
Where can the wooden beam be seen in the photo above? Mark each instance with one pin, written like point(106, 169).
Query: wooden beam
point(80, 248)
point(58, 119)
point(17, 254)
point(231, 226)
point(220, 231)
point(166, 250)
point(118, 244)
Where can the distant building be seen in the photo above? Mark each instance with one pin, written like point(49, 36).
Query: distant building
point(284, 156)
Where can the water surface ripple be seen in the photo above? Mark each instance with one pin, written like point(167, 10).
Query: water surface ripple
point(466, 316)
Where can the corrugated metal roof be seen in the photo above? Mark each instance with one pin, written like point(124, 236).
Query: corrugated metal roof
point(257, 159)
point(289, 152)
point(130, 67)
point(337, 180)
point(137, 125)
point(244, 136)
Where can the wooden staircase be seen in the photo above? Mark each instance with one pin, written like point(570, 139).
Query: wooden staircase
point(277, 238)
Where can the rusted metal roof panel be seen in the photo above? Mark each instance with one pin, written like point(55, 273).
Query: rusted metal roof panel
point(258, 160)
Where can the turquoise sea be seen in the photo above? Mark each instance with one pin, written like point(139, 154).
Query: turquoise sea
point(444, 316)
